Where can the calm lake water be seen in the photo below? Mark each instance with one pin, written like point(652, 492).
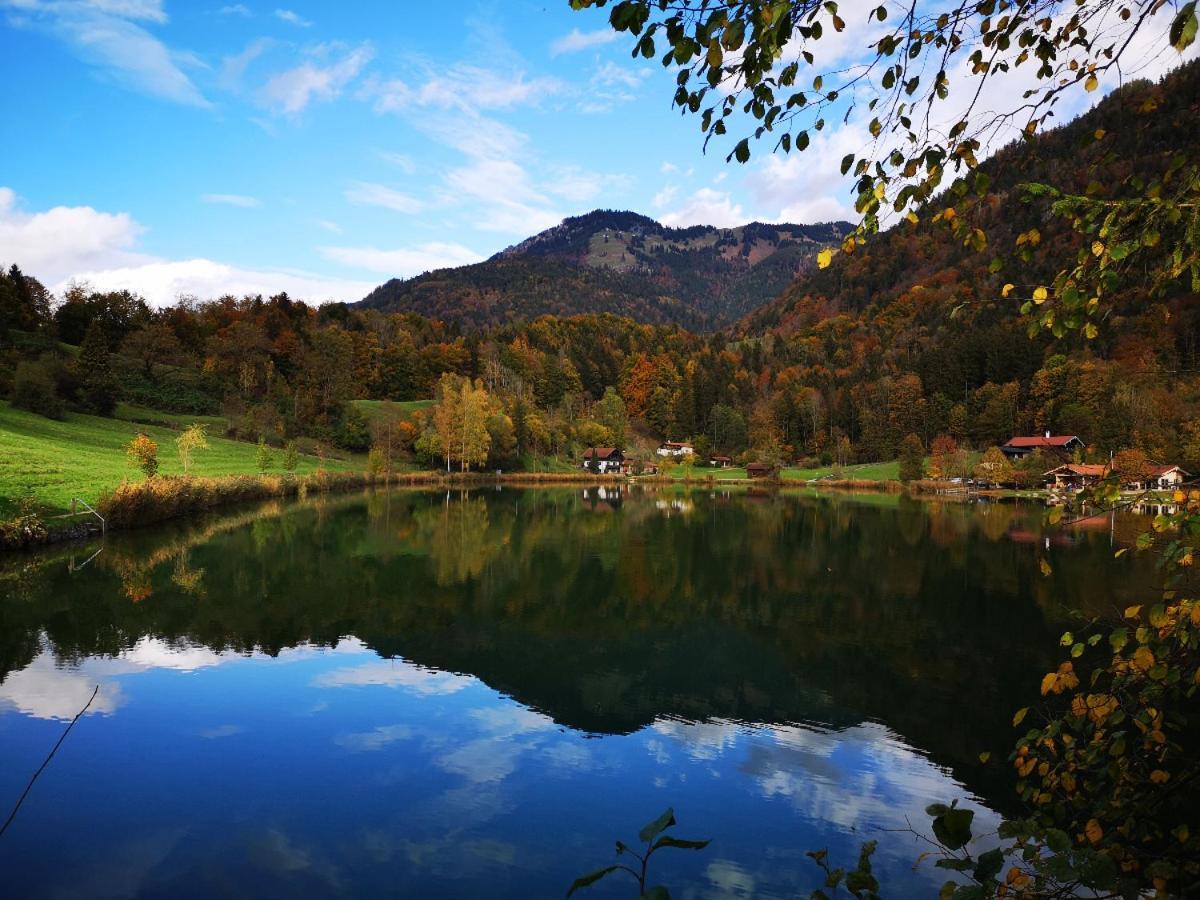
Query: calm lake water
point(473, 694)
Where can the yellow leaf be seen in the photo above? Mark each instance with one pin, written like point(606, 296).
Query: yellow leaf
point(1092, 82)
point(1132, 612)
point(1045, 567)
point(1143, 659)
point(824, 258)
point(1097, 248)
point(1049, 682)
point(948, 213)
point(1100, 132)
point(1158, 776)
point(912, 217)
point(984, 757)
point(1040, 295)
point(1020, 716)
point(1093, 831)
point(1006, 290)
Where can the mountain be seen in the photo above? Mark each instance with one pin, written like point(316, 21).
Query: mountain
point(619, 262)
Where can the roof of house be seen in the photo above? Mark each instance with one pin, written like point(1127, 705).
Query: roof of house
point(600, 452)
point(1160, 471)
point(722, 458)
point(1054, 440)
point(1094, 470)
point(676, 444)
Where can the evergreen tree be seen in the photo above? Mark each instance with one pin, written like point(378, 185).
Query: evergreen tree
point(97, 385)
point(912, 458)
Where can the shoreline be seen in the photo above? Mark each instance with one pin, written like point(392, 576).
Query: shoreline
point(133, 505)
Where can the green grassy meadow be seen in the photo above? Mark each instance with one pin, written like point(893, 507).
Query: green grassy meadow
point(82, 456)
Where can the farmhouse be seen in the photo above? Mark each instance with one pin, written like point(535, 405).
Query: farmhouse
point(675, 448)
point(1060, 444)
point(1161, 478)
point(1074, 476)
point(602, 459)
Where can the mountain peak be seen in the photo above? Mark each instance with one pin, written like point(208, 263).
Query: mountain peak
point(622, 262)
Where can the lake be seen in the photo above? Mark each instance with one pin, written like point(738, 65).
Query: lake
point(472, 694)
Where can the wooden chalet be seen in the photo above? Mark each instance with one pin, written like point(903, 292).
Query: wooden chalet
point(1054, 444)
point(760, 470)
point(604, 460)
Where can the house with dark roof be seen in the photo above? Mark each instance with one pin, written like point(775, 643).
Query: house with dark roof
point(761, 470)
point(1160, 478)
point(675, 448)
point(720, 462)
point(603, 460)
point(1058, 444)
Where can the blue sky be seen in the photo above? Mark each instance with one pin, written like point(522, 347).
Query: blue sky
point(204, 146)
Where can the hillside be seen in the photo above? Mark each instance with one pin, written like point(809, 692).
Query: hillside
point(619, 262)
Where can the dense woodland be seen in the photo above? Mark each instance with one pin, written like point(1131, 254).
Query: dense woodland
point(909, 336)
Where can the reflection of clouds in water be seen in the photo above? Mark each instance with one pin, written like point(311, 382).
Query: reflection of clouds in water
point(395, 673)
point(374, 740)
point(726, 880)
point(862, 777)
point(275, 852)
point(125, 870)
point(220, 731)
point(45, 691)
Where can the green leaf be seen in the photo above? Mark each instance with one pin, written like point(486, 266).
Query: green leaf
point(653, 829)
point(590, 879)
point(989, 866)
point(953, 827)
point(1183, 29)
point(679, 843)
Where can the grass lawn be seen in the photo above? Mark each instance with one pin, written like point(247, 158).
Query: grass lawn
point(82, 456)
point(370, 408)
point(880, 471)
point(145, 415)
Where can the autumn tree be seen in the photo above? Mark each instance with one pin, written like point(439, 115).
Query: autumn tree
point(947, 459)
point(142, 452)
point(993, 467)
point(192, 439)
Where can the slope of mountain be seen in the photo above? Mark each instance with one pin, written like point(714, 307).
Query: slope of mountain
point(624, 263)
point(1134, 131)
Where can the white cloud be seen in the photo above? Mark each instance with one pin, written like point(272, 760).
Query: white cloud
point(292, 18)
point(377, 739)
point(364, 193)
point(163, 281)
point(292, 90)
point(707, 207)
point(66, 244)
point(665, 197)
point(231, 200)
point(612, 84)
point(463, 87)
point(105, 34)
point(55, 244)
point(509, 201)
point(577, 40)
point(401, 161)
point(404, 262)
point(329, 225)
point(233, 68)
point(236, 9)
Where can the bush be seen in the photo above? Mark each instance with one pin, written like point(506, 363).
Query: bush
point(33, 389)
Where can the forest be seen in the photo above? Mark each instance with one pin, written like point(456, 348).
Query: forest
point(912, 335)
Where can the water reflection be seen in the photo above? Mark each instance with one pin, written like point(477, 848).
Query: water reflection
point(464, 694)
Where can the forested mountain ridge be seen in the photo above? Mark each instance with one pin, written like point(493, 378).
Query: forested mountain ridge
point(619, 262)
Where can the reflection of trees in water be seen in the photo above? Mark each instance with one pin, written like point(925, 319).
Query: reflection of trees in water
point(776, 608)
